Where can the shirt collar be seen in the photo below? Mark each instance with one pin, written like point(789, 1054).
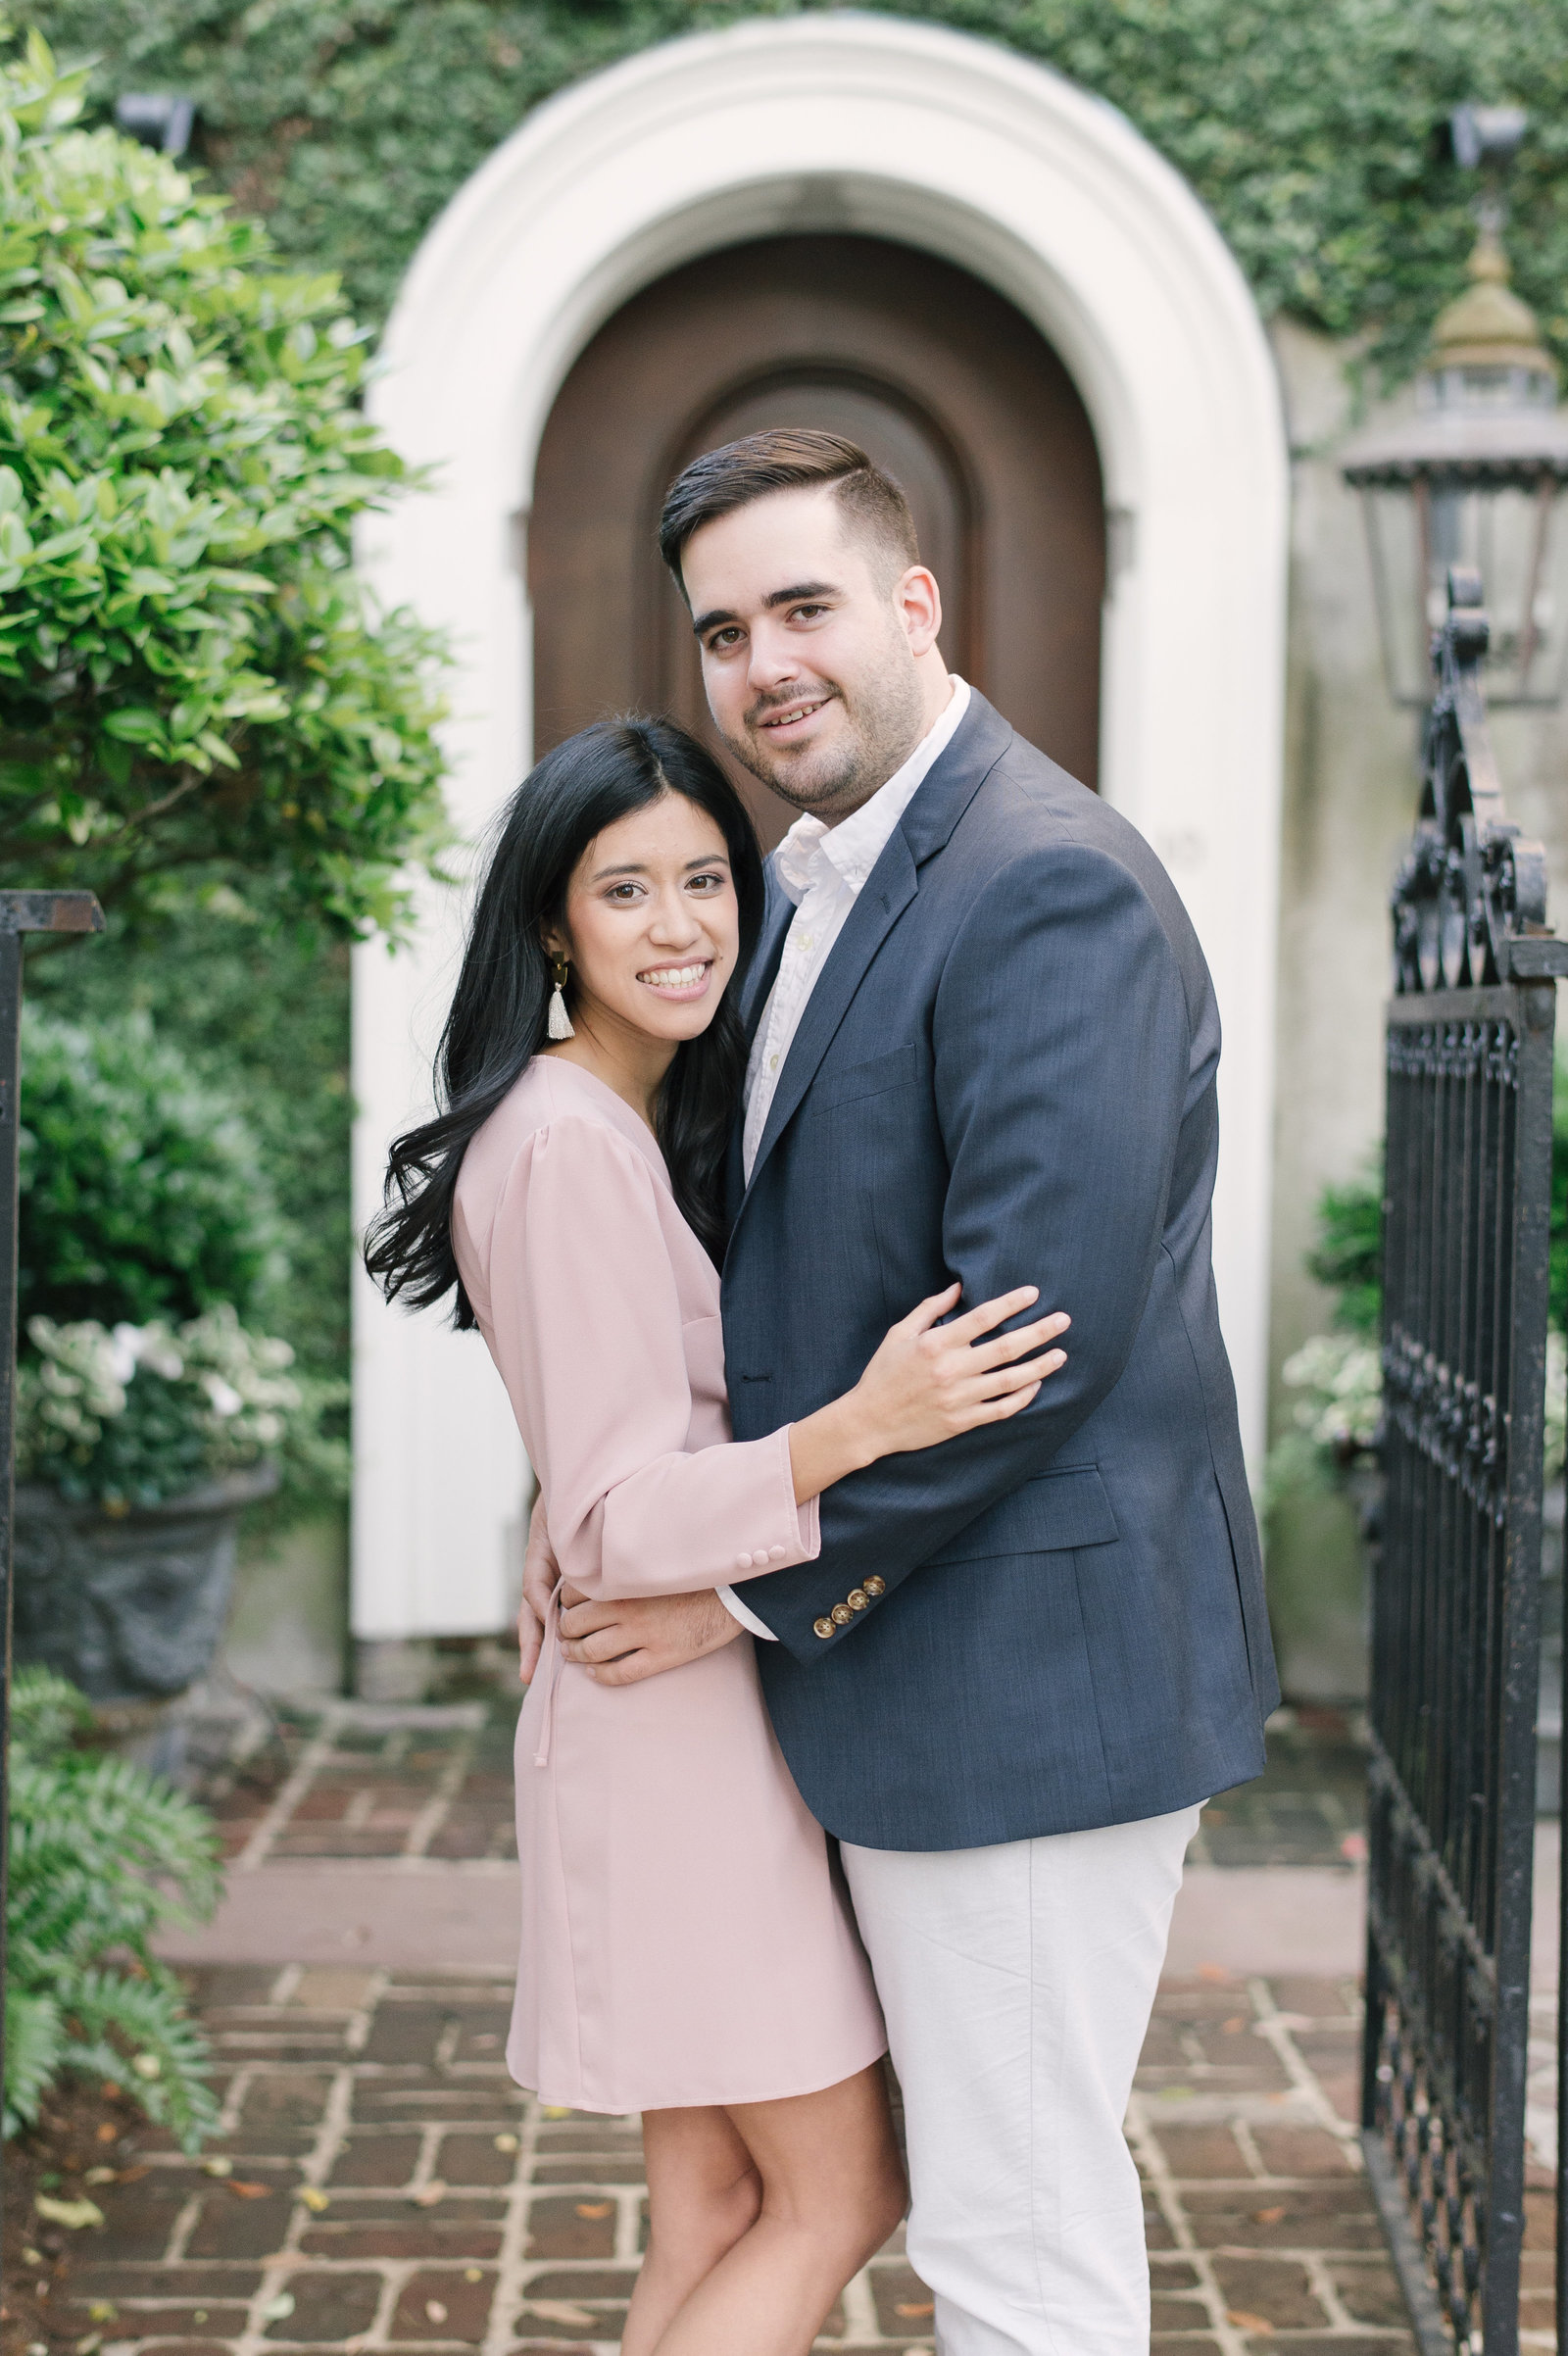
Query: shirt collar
point(854, 846)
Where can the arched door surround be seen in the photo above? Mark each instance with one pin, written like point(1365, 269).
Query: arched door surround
point(840, 124)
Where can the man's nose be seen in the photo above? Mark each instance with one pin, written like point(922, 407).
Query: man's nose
point(774, 661)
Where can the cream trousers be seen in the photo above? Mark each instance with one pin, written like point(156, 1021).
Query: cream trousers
point(1017, 1984)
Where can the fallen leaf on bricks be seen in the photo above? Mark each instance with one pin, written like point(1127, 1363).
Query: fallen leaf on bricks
point(99, 2176)
point(429, 2195)
point(1268, 2215)
point(1234, 2025)
point(1247, 2322)
point(73, 2214)
point(561, 2311)
point(911, 2311)
point(104, 2311)
point(277, 2308)
point(596, 2208)
point(505, 2143)
point(315, 2199)
point(554, 2110)
point(1213, 1971)
point(108, 2132)
point(435, 2311)
point(244, 2191)
point(218, 2168)
point(473, 2274)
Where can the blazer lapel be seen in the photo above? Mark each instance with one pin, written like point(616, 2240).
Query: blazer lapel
point(981, 738)
point(887, 892)
point(762, 971)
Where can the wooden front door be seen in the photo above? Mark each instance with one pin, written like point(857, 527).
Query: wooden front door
point(936, 376)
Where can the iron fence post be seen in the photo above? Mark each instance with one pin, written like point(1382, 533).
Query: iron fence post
point(20, 913)
point(1457, 1591)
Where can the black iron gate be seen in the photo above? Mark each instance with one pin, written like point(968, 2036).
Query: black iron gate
point(1455, 1636)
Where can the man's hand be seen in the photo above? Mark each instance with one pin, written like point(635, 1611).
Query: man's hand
point(621, 1643)
point(540, 1575)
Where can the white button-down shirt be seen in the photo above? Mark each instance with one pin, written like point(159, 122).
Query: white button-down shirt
point(823, 870)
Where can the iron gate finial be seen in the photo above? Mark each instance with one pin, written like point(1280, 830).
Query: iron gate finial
point(1470, 889)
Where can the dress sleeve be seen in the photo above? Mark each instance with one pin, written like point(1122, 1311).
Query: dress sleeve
point(588, 1336)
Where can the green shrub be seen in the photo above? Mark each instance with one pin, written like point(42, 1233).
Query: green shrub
point(102, 1856)
point(142, 1197)
point(1347, 1257)
point(191, 680)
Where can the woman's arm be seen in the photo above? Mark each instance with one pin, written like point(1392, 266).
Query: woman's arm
point(591, 1343)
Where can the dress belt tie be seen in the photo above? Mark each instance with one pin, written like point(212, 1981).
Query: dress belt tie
point(550, 1665)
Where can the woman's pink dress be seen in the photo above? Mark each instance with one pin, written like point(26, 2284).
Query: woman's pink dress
point(683, 1937)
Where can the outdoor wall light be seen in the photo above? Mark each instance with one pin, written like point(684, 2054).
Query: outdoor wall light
point(1475, 477)
point(158, 119)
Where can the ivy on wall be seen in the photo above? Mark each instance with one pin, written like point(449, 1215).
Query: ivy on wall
point(1309, 127)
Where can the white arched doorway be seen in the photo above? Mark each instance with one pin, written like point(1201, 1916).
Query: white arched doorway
point(939, 141)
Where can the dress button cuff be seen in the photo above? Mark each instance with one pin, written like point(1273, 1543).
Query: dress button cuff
point(743, 1562)
point(775, 1553)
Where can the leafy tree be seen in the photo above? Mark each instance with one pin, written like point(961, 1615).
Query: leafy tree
point(192, 680)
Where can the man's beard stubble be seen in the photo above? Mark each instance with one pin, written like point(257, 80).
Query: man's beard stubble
point(883, 731)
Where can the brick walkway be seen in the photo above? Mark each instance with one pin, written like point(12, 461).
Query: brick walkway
point(380, 2185)
point(382, 2188)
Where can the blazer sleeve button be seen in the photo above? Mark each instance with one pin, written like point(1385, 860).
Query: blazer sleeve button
point(875, 1586)
point(858, 1599)
point(822, 1626)
point(775, 1553)
point(841, 1615)
point(743, 1562)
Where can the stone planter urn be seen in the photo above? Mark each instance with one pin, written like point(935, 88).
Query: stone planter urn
point(131, 1606)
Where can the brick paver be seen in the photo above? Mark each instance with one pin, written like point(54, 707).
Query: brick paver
point(380, 2185)
point(384, 1781)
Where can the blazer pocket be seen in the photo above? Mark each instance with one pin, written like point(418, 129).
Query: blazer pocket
point(896, 1069)
point(1047, 1515)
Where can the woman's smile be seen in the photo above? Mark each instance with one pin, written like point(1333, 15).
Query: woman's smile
point(678, 981)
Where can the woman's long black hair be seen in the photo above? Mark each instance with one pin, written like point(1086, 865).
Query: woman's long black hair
point(501, 1005)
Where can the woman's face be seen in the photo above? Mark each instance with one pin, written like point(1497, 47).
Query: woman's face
point(652, 923)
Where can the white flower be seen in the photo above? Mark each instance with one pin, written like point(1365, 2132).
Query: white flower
point(225, 1399)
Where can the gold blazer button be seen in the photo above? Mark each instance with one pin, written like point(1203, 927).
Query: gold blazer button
point(824, 1627)
point(841, 1615)
point(858, 1599)
point(875, 1586)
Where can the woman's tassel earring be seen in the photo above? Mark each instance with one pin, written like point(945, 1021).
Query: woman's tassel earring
point(560, 1019)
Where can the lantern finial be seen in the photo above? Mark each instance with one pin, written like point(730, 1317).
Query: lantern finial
point(1489, 326)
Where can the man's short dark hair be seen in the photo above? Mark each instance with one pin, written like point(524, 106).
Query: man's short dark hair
point(723, 480)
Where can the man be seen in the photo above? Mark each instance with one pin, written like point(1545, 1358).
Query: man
point(983, 1045)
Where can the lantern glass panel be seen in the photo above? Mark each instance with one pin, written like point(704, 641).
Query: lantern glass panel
point(1514, 536)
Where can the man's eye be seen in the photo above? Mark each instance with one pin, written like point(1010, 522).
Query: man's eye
point(805, 612)
point(721, 641)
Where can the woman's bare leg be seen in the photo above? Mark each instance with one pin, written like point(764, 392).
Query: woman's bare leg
point(832, 2191)
point(703, 2194)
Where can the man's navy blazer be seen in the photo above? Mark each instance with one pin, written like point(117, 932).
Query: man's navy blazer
point(1005, 1074)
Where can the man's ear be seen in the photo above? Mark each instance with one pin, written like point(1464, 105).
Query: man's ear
point(917, 602)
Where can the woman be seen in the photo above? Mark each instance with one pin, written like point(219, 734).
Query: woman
point(686, 1951)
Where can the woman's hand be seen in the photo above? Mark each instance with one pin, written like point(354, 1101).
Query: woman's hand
point(928, 1381)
